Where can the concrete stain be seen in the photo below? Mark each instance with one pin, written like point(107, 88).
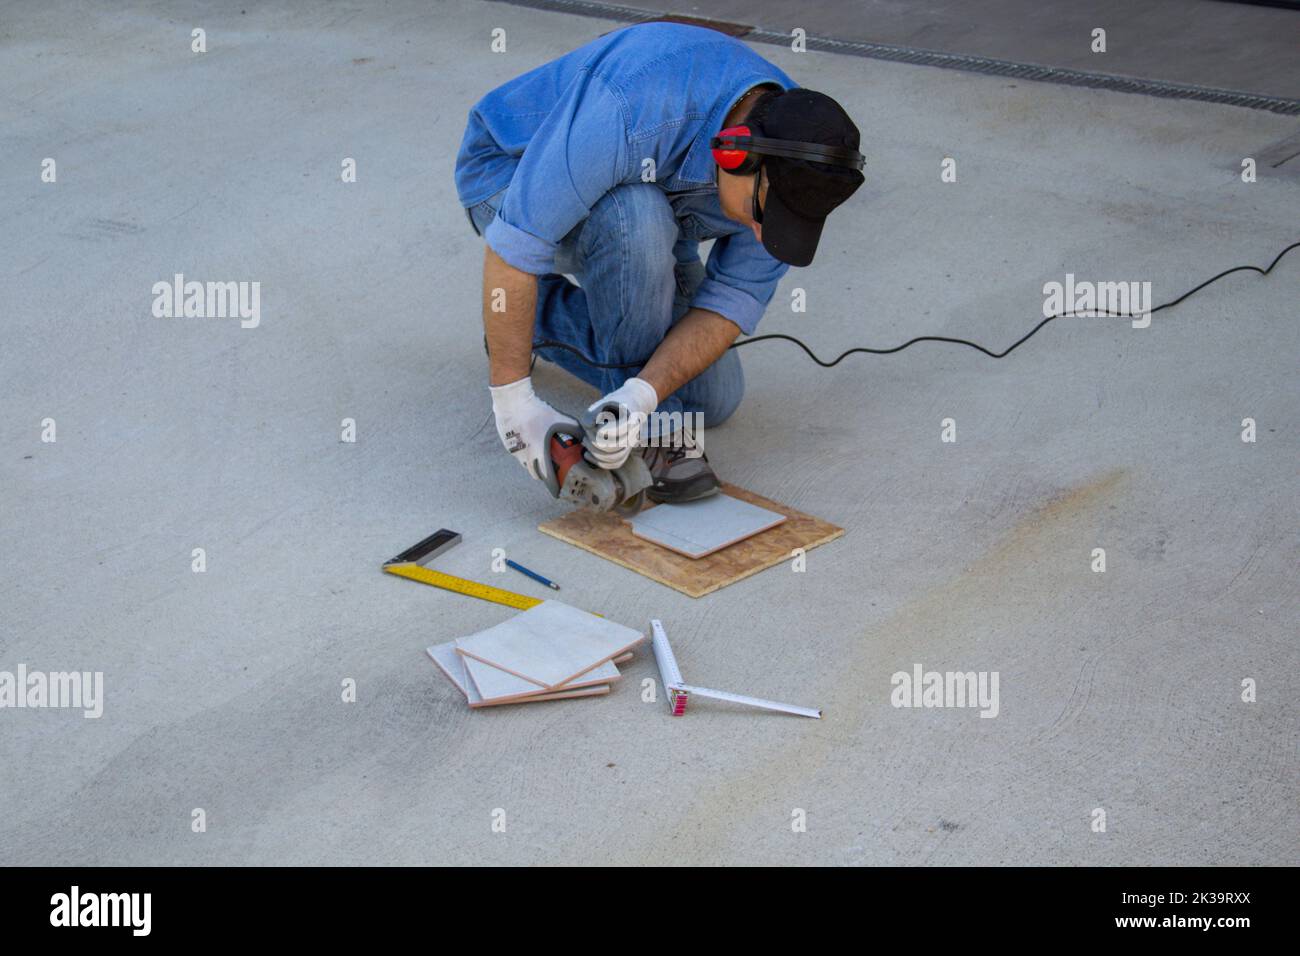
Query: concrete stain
point(713, 817)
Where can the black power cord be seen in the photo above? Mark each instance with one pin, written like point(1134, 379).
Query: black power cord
point(550, 343)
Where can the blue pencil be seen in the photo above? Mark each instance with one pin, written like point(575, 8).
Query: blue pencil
point(532, 574)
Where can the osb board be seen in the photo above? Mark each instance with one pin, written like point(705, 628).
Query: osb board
point(611, 537)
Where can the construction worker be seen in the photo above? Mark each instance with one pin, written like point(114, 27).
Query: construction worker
point(611, 164)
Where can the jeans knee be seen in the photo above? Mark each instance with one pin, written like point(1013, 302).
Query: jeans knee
point(640, 219)
point(724, 387)
point(726, 404)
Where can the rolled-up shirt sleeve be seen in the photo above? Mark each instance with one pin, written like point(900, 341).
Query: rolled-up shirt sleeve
point(740, 280)
point(576, 156)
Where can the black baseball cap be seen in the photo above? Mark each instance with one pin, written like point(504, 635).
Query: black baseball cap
point(801, 193)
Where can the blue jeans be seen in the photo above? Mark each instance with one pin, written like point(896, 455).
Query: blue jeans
point(637, 259)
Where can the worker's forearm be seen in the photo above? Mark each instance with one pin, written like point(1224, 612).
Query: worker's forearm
point(509, 303)
point(697, 341)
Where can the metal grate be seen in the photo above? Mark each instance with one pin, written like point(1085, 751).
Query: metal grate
point(586, 8)
point(949, 61)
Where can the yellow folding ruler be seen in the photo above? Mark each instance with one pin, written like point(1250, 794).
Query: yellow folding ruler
point(409, 564)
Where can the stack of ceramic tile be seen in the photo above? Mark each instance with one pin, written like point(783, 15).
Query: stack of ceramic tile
point(549, 652)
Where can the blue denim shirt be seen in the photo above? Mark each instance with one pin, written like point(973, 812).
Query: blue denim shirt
point(590, 119)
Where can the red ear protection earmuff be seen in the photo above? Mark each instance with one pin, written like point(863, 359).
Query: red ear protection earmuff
point(731, 155)
point(737, 151)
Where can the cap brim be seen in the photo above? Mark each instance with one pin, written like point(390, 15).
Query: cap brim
point(787, 236)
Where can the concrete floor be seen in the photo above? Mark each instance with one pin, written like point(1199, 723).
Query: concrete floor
point(1118, 691)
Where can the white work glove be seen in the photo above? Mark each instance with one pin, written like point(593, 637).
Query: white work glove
point(615, 438)
point(523, 420)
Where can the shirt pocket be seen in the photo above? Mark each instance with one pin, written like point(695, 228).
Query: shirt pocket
point(694, 210)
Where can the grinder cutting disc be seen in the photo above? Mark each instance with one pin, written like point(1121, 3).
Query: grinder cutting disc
point(571, 477)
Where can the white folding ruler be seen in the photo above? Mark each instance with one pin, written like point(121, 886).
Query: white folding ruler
point(679, 691)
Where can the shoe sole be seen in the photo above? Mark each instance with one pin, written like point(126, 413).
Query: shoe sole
point(668, 498)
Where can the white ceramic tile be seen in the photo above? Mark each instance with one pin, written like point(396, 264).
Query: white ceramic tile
point(550, 644)
point(493, 684)
point(702, 527)
point(453, 666)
